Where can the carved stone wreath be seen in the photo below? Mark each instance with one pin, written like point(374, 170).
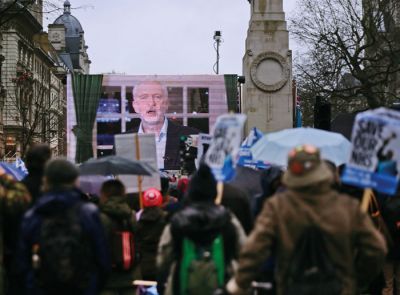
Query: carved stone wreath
point(276, 57)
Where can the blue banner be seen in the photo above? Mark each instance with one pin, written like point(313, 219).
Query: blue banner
point(225, 145)
point(386, 184)
point(375, 155)
point(245, 156)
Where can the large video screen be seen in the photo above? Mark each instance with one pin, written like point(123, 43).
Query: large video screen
point(167, 105)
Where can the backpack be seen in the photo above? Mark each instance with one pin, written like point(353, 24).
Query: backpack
point(311, 270)
point(123, 252)
point(202, 269)
point(62, 260)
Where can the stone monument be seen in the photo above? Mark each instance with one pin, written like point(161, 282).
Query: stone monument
point(267, 65)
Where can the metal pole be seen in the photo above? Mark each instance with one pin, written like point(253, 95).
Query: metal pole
point(218, 42)
point(217, 39)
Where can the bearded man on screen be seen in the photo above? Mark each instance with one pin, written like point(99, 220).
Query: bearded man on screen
point(150, 101)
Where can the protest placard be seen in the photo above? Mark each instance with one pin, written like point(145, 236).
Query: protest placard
point(226, 140)
point(126, 146)
point(375, 155)
point(245, 156)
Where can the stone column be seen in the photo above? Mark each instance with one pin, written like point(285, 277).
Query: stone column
point(267, 66)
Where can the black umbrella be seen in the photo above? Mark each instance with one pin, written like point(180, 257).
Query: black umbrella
point(115, 165)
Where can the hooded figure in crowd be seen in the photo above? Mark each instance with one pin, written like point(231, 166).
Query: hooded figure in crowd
point(150, 227)
point(62, 249)
point(270, 181)
point(200, 221)
point(117, 216)
point(36, 159)
point(354, 247)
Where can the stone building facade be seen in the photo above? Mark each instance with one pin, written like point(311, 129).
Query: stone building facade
point(33, 75)
point(67, 36)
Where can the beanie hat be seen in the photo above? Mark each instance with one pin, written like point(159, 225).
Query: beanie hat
point(305, 168)
point(202, 185)
point(152, 198)
point(60, 172)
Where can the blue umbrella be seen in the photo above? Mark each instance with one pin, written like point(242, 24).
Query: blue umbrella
point(274, 147)
point(13, 171)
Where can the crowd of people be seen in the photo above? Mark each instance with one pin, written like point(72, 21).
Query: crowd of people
point(304, 234)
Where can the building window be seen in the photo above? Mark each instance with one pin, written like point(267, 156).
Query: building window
point(197, 100)
point(175, 96)
point(110, 101)
point(106, 128)
point(201, 124)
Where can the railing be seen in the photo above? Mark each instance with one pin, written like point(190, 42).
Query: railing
point(10, 157)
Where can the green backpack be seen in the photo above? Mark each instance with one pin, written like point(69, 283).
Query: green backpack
point(202, 269)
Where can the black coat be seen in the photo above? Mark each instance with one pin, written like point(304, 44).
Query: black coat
point(150, 227)
point(174, 132)
point(202, 223)
point(238, 202)
point(33, 182)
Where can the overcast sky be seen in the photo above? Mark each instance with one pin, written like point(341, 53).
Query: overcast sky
point(163, 36)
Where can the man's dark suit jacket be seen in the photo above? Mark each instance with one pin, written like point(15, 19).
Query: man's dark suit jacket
point(174, 132)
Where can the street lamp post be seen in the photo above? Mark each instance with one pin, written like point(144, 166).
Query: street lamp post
point(218, 40)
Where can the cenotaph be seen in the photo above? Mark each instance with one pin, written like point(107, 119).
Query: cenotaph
point(267, 66)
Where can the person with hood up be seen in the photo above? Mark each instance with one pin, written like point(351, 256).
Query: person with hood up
point(200, 221)
point(117, 217)
point(62, 248)
point(352, 248)
point(150, 227)
point(36, 158)
point(270, 180)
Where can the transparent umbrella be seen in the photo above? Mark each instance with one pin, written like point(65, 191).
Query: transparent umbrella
point(274, 147)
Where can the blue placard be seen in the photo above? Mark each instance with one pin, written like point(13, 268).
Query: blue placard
point(375, 155)
point(224, 146)
point(383, 183)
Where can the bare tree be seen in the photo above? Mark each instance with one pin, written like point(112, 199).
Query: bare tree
point(37, 112)
point(9, 9)
point(351, 50)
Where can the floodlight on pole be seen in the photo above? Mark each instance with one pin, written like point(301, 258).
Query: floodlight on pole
point(218, 40)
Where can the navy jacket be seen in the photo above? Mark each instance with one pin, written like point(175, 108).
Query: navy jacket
point(90, 222)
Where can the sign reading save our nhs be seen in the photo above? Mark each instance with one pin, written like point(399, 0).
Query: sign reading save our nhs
point(225, 144)
point(375, 156)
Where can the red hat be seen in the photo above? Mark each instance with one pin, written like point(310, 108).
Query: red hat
point(152, 198)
